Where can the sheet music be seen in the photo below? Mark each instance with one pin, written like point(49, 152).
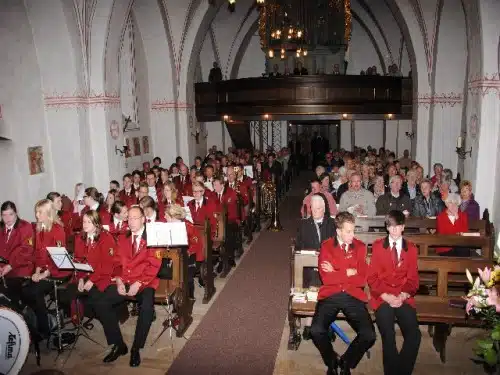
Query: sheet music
point(187, 199)
point(166, 234)
point(63, 260)
point(248, 171)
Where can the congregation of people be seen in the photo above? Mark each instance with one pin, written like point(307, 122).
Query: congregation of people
point(368, 183)
point(108, 232)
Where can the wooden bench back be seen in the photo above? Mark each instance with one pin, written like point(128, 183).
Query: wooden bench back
point(220, 228)
point(443, 266)
point(428, 241)
point(421, 224)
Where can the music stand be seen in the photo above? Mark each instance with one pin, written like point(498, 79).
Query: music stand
point(63, 261)
point(168, 323)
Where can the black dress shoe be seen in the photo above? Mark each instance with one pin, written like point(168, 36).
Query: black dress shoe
point(306, 334)
point(135, 358)
point(116, 351)
point(344, 368)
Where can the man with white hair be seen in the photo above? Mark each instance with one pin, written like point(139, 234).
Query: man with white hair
point(357, 201)
point(316, 228)
point(394, 199)
point(311, 233)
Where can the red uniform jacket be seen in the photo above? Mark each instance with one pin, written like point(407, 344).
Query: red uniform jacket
point(229, 200)
point(444, 226)
point(66, 218)
point(18, 249)
point(206, 211)
point(53, 238)
point(188, 190)
point(108, 219)
point(102, 255)
point(142, 266)
point(195, 242)
point(338, 281)
point(129, 199)
point(386, 277)
point(210, 195)
point(182, 185)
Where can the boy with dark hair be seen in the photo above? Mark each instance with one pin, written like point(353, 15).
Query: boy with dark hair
point(393, 281)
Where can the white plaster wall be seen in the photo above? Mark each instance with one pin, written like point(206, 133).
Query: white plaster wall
point(253, 63)
point(23, 112)
point(369, 133)
point(362, 51)
point(345, 135)
point(395, 138)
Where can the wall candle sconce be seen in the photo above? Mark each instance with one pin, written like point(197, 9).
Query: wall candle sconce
point(122, 151)
point(410, 135)
point(461, 152)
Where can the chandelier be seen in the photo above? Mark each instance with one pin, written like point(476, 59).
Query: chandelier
point(288, 37)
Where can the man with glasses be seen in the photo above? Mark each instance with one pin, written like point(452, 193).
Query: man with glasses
point(136, 276)
point(202, 208)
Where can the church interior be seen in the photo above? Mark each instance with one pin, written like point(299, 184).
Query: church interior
point(121, 118)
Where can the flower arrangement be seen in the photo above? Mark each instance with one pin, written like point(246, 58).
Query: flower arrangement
point(483, 302)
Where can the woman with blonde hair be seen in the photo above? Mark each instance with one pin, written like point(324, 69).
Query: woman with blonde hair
point(176, 213)
point(49, 233)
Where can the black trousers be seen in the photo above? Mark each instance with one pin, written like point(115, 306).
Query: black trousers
point(35, 298)
point(12, 288)
point(401, 363)
point(358, 318)
point(103, 303)
point(192, 267)
point(457, 252)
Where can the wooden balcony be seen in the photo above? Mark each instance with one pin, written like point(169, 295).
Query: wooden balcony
point(305, 98)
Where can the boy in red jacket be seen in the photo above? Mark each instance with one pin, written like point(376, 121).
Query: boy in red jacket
point(393, 281)
point(343, 269)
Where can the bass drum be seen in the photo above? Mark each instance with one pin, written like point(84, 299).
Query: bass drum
point(14, 341)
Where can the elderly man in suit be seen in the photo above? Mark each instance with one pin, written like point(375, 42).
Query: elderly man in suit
point(311, 233)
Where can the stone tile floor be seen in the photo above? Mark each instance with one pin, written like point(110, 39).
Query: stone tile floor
point(306, 360)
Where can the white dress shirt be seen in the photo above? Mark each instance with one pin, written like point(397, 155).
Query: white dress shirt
point(399, 244)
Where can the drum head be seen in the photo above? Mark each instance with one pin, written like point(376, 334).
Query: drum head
point(14, 341)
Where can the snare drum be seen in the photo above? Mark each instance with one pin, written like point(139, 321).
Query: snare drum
point(14, 341)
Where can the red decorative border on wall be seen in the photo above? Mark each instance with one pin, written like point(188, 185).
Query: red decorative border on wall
point(170, 105)
point(81, 100)
point(444, 100)
point(483, 85)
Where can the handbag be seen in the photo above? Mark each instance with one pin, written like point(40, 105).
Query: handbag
point(166, 271)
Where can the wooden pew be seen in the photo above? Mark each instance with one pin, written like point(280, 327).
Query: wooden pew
point(432, 310)
point(423, 225)
point(176, 289)
point(219, 241)
point(207, 267)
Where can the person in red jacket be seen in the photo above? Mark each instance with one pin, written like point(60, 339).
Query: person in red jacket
point(16, 249)
point(202, 208)
point(137, 277)
point(116, 222)
point(66, 217)
point(393, 281)
point(127, 195)
point(176, 213)
point(343, 270)
point(98, 248)
point(452, 221)
point(49, 233)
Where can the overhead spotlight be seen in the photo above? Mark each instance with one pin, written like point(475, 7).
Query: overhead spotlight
point(344, 115)
point(271, 54)
point(389, 116)
point(231, 5)
point(266, 117)
point(260, 2)
point(226, 117)
point(305, 52)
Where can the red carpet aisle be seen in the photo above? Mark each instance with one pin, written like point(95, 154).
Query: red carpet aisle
point(241, 332)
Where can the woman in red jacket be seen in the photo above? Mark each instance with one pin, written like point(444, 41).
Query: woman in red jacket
point(452, 221)
point(16, 247)
point(116, 221)
point(66, 217)
point(49, 233)
point(176, 213)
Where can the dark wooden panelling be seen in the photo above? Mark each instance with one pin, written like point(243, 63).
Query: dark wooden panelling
point(304, 95)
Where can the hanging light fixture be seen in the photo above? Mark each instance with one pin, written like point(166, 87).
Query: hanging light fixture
point(231, 5)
